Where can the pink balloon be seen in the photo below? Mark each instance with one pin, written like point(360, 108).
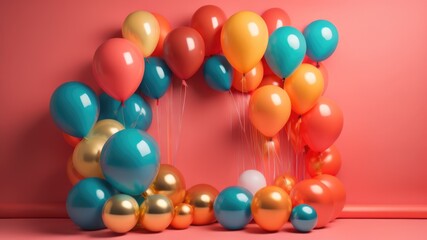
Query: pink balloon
point(275, 18)
point(322, 124)
point(118, 67)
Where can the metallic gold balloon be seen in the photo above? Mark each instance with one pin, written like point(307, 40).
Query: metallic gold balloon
point(86, 156)
point(202, 197)
point(106, 128)
point(285, 182)
point(120, 213)
point(271, 208)
point(72, 174)
point(183, 216)
point(156, 213)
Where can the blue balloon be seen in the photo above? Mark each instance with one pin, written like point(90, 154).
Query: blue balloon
point(74, 108)
point(156, 79)
point(130, 161)
point(86, 200)
point(134, 113)
point(322, 39)
point(285, 51)
point(303, 218)
point(218, 73)
point(232, 208)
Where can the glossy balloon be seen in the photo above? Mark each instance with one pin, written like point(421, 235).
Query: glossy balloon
point(208, 21)
point(337, 190)
point(184, 51)
point(253, 180)
point(86, 156)
point(244, 38)
point(165, 28)
point(130, 161)
point(285, 51)
point(304, 87)
point(120, 213)
point(232, 208)
point(249, 81)
point(322, 125)
point(271, 80)
point(293, 130)
point(275, 18)
point(202, 197)
point(118, 67)
point(218, 73)
point(72, 141)
point(303, 218)
point(156, 213)
point(85, 202)
point(322, 68)
point(74, 108)
point(72, 173)
point(326, 162)
point(142, 28)
point(157, 78)
point(183, 216)
point(322, 39)
point(285, 182)
point(106, 128)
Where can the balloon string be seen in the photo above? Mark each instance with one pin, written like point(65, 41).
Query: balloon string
point(183, 99)
point(169, 125)
point(237, 109)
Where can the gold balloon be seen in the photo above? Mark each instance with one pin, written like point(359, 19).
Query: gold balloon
point(202, 197)
point(120, 213)
point(271, 207)
point(285, 182)
point(106, 128)
point(87, 154)
point(183, 216)
point(156, 213)
point(72, 174)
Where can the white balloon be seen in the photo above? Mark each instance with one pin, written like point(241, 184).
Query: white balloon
point(252, 180)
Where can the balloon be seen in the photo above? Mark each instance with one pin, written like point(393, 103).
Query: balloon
point(322, 125)
point(249, 81)
point(72, 141)
point(326, 162)
point(130, 161)
point(109, 107)
point(120, 213)
point(208, 21)
point(337, 190)
point(142, 28)
point(285, 182)
point(271, 207)
point(157, 78)
point(285, 51)
point(303, 218)
point(322, 39)
point(244, 38)
point(304, 87)
point(86, 156)
point(106, 128)
point(275, 18)
point(72, 174)
point(165, 29)
point(74, 108)
point(253, 180)
point(156, 213)
point(293, 130)
point(218, 73)
point(85, 202)
point(322, 69)
point(314, 193)
point(269, 109)
point(232, 208)
point(184, 52)
point(271, 80)
point(118, 67)
point(183, 216)
point(202, 197)
point(267, 69)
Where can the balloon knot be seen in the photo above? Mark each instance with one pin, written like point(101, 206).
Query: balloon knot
point(157, 102)
point(184, 83)
point(317, 64)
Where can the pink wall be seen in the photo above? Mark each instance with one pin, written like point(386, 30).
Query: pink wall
point(376, 76)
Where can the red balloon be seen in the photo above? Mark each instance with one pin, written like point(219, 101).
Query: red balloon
point(275, 18)
point(71, 140)
point(322, 69)
point(337, 190)
point(165, 29)
point(267, 69)
point(322, 124)
point(184, 51)
point(208, 21)
point(271, 80)
point(326, 162)
point(118, 67)
point(316, 194)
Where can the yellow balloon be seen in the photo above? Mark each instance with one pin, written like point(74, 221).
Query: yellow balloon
point(120, 213)
point(106, 128)
point(244, 39)
point(156, 213)
point(86, 156)
point(142, 28)
point(183, 216)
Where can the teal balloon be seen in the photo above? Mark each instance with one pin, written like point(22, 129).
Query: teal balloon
point(322, 39)
point(130, 161)
point(157, 78)
point(134, 113)
point(218, 73)
point(285, 51)
point(74, 108)
point(232, 208)
point(85, 202)
point(303, 218)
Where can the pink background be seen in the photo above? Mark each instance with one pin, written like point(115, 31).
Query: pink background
point(376, 76)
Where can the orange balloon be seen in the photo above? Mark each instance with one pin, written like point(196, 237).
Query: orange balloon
point(326, 162)
point(316, 194)
point(165, 28)
point(271, 80)
point(183, 216)
point(269, 109)
point(285, 182)
point(304, 87)
point(337, 190)
point(72, 174)
point(322, 69)
point(71, 140)
point(202, 197)
point(249, 81)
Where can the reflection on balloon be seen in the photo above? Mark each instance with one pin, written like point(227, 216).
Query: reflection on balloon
point(303, 218)
point(120, 213)
point(322, 39)
point(86, 156)
point(183, 216)
point(326, 162)
point(156, 213)
point(157, 78)
point(202, 197)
